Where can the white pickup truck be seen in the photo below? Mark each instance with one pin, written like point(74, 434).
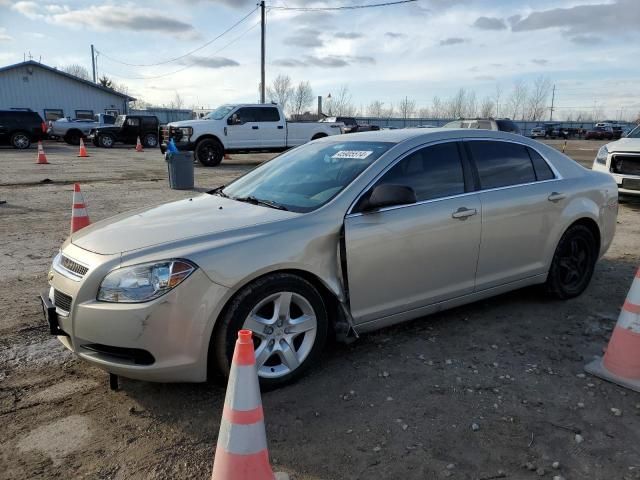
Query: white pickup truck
point(242, 128)
point(71, 131)
point(621, 159)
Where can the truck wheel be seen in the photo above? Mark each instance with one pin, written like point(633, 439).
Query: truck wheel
point(20, 140)
point(72, 138)
point(209, 152)
point(106, 141)
point(150, 140)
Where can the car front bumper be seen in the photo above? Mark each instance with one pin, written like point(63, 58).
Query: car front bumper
point(165, 340)
point(627, 184)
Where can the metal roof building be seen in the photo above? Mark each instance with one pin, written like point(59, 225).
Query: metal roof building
point(55, 94)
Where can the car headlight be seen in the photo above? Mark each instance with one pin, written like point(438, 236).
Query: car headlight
point(184, 132)
point(602, 155)
point(144, 282)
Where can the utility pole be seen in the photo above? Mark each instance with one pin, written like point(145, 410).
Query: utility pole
point(93, 63)
point(262, 55)
point(553, 98)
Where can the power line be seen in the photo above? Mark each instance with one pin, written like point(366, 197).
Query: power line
point(193, 64)
point(345, 7)
point(186, 54)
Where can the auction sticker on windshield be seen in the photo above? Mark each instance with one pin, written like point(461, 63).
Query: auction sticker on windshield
point(357, 154)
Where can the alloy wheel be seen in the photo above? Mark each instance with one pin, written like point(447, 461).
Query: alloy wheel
point(21, 141)
point(573, 262)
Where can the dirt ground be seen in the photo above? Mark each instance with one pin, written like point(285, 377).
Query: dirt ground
point(490, 390)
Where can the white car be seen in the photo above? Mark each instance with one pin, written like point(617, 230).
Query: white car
point(242, 128)
point(622, 160)
point(538, 132)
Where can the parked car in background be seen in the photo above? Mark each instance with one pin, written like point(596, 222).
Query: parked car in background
point(599, 133)
point(424, 126)
point(127, 129)
point(340, 236)
point(71, 131)
point(621, 159)
point(538, 132)
point(351, 125)
point(501, 124)
point(19, 128)
point(242, 128)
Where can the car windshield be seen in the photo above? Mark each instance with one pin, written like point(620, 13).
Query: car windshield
point(119, 121)
point(219, 113)
point(307, 177)
point(635, 133)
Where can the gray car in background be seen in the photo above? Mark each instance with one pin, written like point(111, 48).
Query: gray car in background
point(339, 236)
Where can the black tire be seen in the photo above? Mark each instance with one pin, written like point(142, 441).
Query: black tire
point(150, 140)
point(209, 152)
point(318, 135)
point(95, 141)
point(73, 138)
point(106, 140)
point(226, 332)
point(20, 140)
point(573, 263)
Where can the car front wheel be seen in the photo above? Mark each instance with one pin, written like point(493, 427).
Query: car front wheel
point(573, 263)
point(288, 319)
point(209, 152)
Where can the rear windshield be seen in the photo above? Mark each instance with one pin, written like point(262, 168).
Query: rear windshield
point(307, 177)
point(635, 133)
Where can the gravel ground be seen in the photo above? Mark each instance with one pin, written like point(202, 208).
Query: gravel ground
point(490, 390)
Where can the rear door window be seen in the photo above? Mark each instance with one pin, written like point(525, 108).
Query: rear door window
point(133, 122)
point(432, 172)
point(501, 164)
point(148, 122)
point(541, 167)
point(268, 114)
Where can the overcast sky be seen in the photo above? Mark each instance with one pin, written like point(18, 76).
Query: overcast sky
point(588, 48)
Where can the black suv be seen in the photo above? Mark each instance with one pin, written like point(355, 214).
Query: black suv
point(127, 129)
point(19, 128)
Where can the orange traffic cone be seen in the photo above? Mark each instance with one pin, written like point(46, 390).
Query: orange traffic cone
point(42, 158)
point(79, 214)
point(621, 361)
point(139, 146)
point(83, 150)
point(242, 453)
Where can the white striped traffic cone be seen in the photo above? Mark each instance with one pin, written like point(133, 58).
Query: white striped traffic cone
point(242, 452)
point(42, 158)
point(79, 214)
point(621, 361)
point(139, 145)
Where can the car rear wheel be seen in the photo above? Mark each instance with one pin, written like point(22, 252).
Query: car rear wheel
point(20, 140)
point(209, 152)
point(573, 263)
point(73, 138)
point(150, 140)
point(288, 319)
point(106, 141)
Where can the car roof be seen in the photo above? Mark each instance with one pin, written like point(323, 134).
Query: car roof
point(427, 134)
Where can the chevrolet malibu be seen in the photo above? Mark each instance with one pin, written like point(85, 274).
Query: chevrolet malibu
point(338, 237)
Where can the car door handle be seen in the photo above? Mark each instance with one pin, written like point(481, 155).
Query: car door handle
point(556, 197)
point(462, 213)
point(255, 127)
point(280, 127)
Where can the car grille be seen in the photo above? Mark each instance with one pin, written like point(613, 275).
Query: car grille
point(73, 266)
point(164, 133)
point(62, 301)
point(626, 164)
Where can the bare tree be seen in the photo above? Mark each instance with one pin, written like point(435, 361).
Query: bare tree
point(280, 91)
point(389, 112)
point(407, 108)
point(487, 107)
point(437, 108)
point(456, 104)
point(302, 98)
point(470, 108)
point(177, 102)
point(517, 101)
point(424, 112)
point(497, 96)
point(77, 71)
point(538, 98)
point(340, 103)
point(376, 109)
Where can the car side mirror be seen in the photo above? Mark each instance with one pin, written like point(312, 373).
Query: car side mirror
point(389, 195)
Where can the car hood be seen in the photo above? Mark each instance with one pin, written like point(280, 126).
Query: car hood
point(625, 145)
point(205, 215)
point(191, 123)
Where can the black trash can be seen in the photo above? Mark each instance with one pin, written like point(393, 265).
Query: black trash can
point(180, 167)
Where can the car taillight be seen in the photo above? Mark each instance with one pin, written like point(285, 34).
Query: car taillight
point(43, 126)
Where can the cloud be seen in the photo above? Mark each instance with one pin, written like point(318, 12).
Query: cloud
point(348, 35)
point(452, 41)
point(394, 35)
point(485, 77)
point(329, 61)
point(4, 37)
point(209, 62)
point(490, 23)
point(540, 61)
point(305, 37)
point(586, 39)
point(106, 17)
point(614, 18)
